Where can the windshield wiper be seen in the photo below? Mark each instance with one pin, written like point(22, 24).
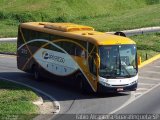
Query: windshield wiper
point(129, 75)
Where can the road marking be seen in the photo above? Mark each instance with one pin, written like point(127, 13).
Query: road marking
point(149, 71)
point(137, 94)
point(158, 62)
point(57, 105)
point(133, 98)
point(149, 78)
point(139, 89)
point(157, 66)
point(145, 84)
point(125, 104)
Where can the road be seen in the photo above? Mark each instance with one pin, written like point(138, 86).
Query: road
point(73, 102)
point(149, 100)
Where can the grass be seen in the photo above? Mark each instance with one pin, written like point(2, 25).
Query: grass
point(129, 19)
point(16, 102)
point(147, 44)
point(104, 15)
point(9, 47)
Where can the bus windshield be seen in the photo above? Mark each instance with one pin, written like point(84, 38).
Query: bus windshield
point(118, 61)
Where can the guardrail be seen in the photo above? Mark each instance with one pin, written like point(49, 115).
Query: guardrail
point(139, 31)
point(8, 39)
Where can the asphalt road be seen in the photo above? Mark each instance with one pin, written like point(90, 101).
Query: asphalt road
point(71, 100)
point(144, 100)
point(146, 104)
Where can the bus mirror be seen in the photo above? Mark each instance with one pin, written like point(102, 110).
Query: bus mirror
point(139, 60)
point(97, 60)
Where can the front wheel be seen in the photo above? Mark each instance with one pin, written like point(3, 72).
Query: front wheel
point(81, 85)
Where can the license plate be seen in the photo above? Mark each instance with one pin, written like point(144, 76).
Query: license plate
point(119, 89)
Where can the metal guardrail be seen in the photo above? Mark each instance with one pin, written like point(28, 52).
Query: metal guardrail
point(8, 39)
point(139, 31)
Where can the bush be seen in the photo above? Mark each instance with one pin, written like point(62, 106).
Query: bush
point(152, 2)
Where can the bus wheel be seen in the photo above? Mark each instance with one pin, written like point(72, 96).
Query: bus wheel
point(82, 86)
point(36, 74)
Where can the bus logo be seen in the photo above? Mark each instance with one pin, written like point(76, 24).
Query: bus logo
point(45, 55)
point(51, 56)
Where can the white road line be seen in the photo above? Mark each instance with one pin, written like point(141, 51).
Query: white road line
point(133, 98)
point(149, 78)
point(138, 89)
point(158, 62)
point(57, 105)
point(146, 83)
point(138, 93)
point(157, 66)
point(150, 71)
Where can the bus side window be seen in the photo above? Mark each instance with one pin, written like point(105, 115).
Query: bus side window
point(25, 34)
point(33, 35)
point(80, 52)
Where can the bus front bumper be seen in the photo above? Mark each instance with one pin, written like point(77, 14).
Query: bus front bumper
point(103, 88)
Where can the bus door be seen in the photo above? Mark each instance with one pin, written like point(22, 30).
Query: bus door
point(93, 63)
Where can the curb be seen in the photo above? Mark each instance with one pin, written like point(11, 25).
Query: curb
point(8, 53)
point(149, 61)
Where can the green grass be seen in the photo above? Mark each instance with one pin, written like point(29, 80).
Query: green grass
point(147, 44)
point(8, 47)
point(104, 15)
point(16, 102)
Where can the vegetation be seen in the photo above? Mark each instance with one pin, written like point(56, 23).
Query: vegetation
point(104, 15)
point(16, 102)
point(148, 45)
point(8, 47)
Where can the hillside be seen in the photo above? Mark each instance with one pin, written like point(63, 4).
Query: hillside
point(104, 15)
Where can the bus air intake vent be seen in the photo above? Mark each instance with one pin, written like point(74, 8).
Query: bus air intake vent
point(68, 27)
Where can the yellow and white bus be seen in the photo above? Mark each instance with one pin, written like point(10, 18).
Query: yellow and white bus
point(78, 54)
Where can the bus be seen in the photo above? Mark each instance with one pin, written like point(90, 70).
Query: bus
point(95, 61)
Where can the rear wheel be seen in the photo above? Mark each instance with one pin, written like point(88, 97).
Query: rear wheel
point(36, 74)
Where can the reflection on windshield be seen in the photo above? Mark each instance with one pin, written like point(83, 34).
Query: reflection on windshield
point(118, 61)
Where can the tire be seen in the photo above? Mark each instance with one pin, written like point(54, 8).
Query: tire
point(81, 85)
point(36, 74)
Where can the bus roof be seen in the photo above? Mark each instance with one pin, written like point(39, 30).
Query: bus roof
point(75, 31)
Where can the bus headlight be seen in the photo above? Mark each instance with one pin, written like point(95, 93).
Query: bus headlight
point(104, 82)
